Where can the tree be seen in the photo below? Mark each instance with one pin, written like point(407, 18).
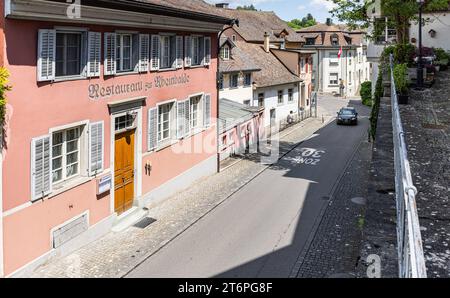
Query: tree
point(307, 21)
point(399, 12)
point(247, 7)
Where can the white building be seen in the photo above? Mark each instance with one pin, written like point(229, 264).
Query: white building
point(330, 67)
point(435, 30)
point(376, 45)
point(261, 80)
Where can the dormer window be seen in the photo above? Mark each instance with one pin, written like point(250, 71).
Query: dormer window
point(283, 43)
point(310, 41)
point(225, 52)
point(334, 40)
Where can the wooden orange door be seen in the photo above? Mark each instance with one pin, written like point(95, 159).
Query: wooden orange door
point(124, 171)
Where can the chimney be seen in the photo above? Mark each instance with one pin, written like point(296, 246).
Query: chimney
point(266, 42)
point(222, 5)
point(329, 22)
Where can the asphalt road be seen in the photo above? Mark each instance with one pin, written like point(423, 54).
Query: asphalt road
point(261, 230)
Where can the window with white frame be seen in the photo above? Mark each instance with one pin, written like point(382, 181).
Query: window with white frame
point(66, 154)
point(165, 122)
point(334, 60)
point(69, 54)
point(196, 112)
point(125, 122)
point(168, 51)
point(124, 52)
point(225, 52)
point(280, 97)
point(290, 95)
point(60, 156)
point(197, 50)
point(349, 77)
point(334, 77)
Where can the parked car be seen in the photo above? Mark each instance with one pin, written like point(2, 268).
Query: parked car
point(347, 116)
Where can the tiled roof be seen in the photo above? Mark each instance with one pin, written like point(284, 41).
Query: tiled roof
point(253, 25)
point(239, 61)
point(188, 5)
point(273, 72)
point(323, 33)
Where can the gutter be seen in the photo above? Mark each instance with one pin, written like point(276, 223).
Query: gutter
point(144, 7)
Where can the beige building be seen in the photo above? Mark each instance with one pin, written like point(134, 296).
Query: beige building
point(341, 58)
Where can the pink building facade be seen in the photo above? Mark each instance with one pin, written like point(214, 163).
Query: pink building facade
point(108, 113)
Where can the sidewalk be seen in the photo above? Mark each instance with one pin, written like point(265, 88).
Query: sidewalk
point(117, 253)
point(426, 122)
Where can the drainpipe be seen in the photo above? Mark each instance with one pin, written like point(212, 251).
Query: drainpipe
point(233, 22)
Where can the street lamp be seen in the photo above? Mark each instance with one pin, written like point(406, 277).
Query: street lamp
point(419, 62)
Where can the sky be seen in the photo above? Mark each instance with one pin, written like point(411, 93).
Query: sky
point(288, 9)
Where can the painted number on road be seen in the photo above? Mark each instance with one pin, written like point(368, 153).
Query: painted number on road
point(309, 156)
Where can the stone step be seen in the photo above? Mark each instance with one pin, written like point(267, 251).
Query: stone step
point(129, 218)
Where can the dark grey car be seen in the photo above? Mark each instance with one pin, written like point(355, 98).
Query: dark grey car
point(347, 116)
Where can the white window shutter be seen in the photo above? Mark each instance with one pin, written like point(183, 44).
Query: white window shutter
point(46, 66)
point(187, 117)
point(207, 49)
point(188, 51)
point(110, 54)
point(207, 110)
point(155, 55)
point(94, 54)
point(144, 52)
point(152, 129)
point(41, 167)
point(96, 145)
point(173, 51)
point(181, 119)
point(179, 45)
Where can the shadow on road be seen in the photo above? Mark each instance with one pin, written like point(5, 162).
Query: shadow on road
point(318, 161)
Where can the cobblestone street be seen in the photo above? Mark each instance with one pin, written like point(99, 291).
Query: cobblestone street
point(334, 249)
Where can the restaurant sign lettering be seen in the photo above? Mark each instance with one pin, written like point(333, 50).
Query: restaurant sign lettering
point(98, 91)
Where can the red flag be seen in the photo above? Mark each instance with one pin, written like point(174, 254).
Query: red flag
point(340, 53)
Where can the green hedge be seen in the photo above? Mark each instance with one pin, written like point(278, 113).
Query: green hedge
point(366, 93)
point(376, 106)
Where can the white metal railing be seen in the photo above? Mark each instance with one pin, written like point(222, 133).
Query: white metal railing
point(411, 258)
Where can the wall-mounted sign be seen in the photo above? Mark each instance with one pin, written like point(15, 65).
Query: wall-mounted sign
point(104, 184)
point(98, 91)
